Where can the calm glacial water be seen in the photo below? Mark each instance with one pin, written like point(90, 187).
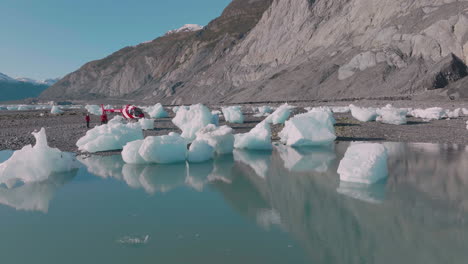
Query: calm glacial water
point(286, 206)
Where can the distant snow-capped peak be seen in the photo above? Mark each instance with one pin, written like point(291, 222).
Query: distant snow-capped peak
point(6, 78)
point(186, 28)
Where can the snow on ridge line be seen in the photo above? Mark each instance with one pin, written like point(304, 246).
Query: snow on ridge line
point(185, 28)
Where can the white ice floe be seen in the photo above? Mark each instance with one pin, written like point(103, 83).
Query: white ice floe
point(280, 115)
point(233, 114)
point(220, 138)
point(340, 109)
point(259, 138)
point(434, 113)
point(111, 136)
point(309, 129)
point(192, 120)
point(363, 114)
point(166, 149)
point(35, 163)
point(94, 109)
point(56, 110)
point(364, 163)
point(200, 151)
point(146, 124)
point(307, 158)
point(391, 115)
point(156, 111)
point(453, 114)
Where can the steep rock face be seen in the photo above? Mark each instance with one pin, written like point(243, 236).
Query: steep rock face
point(290, 50)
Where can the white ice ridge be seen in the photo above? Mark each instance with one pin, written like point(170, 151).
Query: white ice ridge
point(111, 136)
point(364, 163)
point(434, 113)
point(259, 138)
point(233, 114)
point(156, 111)
point(94, 109)
point(280, 115)
point(363, 114)
point(191, 120)
point(391, 115)
point(309, 129)
point(35, 163)
point(56, 110)
point(166, 149)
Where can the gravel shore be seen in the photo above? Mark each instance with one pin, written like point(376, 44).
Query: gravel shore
point(64, 130)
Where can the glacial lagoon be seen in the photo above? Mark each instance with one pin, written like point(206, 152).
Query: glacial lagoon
point(283, 206)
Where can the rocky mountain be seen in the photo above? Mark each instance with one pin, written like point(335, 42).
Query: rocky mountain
point(21, 88)
point(260, 50)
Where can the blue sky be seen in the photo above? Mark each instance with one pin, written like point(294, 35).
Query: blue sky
point(50, 38)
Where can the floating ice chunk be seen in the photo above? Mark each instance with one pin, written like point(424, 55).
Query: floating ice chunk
point(200, 151)
point(259, 161)
point(453, 114)
point(340, 109)
point(166, 149)
point(259, 138)
point(373, 194)
point(220, 138)
point(323, 109)
point(130, 240)
point(363, 114)
point(465, 111)
point(56, 110)
point(94, 109)
point(280, 115)
point(364, 163)
point(131, 154)
point(111, 136)
point(156, 111)
point(192, 120)
point(391, 115)
point(233, 114)
point(434, 113)
point(146, 124)
point(307, 158)
point(35, 163)
point(176, 109)
point(309, 129)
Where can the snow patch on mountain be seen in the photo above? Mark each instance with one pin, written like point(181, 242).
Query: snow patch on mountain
point(186, 28)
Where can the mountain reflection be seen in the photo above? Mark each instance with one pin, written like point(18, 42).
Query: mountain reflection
point(34, 196)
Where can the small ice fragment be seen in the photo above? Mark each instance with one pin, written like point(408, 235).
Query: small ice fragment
point(56, 110)
point(391, 115)
point(233, 114)
point(363, 114)
point(200, 151)
point(259, 138)
point(309, 129)
point(280, 115)
point(434, 113)
point(94, 109)
point(220, 138)
point(364, 163)
point(146, 124)
point(192, 120)
point(156, 111)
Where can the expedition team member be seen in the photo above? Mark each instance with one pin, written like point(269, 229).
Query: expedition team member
point(104, 118)
point(88, 119)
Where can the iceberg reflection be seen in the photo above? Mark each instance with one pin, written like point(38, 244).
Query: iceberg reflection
point(305, 159)
point(374, 193)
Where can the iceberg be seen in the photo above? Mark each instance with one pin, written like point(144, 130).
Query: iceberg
point(453, 114)
point(56, 110)
point(146, 124)
point(36, 163)
point(166, 149)
point(259, 138)
point(200, 151)
point(364, 163)
point(309, 129)
point(363, 114)
point(233, 114)
point(280, 115)
point(391, 115)
point(434, 113)
point(192, 120)
point(131, 154)
point(156, 111)
point(220, 138)
point(111, 136)
point(94, 109)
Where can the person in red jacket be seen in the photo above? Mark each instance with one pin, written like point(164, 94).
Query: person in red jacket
point(88, 119)
point(104, 118)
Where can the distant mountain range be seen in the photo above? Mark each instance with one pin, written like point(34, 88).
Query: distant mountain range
point(22, 87)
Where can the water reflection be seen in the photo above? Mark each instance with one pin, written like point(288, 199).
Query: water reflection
point(259, 161)
point(307, 158)
point(34, 196)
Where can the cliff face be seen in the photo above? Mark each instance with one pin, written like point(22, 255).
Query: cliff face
point(290, 50)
